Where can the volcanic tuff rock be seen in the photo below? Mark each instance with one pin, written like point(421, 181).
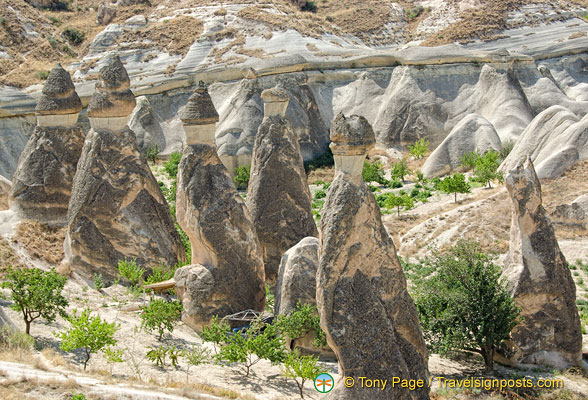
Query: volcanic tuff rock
point(5, 186)
point(370, 320)
point(574, 214)
point(117, 210)
point(472, 133)
point(297, 276)
point(540, 281)
point(550, 140)
point(278, 196)
point(227, 274)
point(43, 179)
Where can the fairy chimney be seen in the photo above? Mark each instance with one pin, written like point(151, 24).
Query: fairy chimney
point(43, 179)
point(199, 117)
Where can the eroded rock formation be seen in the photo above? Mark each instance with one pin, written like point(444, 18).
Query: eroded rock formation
point(540, 281)
point(5, 187)
point(369, 318)
point(226, 275)
point(117, 210)
point(278, 196)
point(43, 179)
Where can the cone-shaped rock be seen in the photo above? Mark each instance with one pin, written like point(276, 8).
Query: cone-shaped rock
point(369, 318)
point(43, 179)
point(540, 281)
point(226, 275)
point(117, 210)
point(278, 196)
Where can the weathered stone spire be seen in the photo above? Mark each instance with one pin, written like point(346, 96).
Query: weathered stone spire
point(59, 104)
point(200, 117)
point(370, 321)
point(275, 101)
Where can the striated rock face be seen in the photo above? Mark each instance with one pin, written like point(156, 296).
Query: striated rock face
point(541, 282)
point(117, 210)
point(5, 186)
point(43, 179)
point(278, 196)
point(555, 140)
point(369, 318)
point(474, 132)
point(226, 275)
point(574, 215)
point(297, 276)
point(105, 14)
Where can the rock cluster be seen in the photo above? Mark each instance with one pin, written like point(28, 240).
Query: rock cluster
point(226, 275)
point(540, 281)
point(278, 196)
point(43, 179)
point(370, 320)
point(117, 210)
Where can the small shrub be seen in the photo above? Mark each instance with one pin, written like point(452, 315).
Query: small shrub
point(455, 184)
point(78, 396)
point(329, 19)
point(13, 339)
point(242, 175)
point(507, 147)
point(129, 270)
point(299, 322)
point(395, 184)
point(413, 13)
point(309, 6)
point(3, 21)
point(171, 165)
point(419, 149)
point(158, 355)
point(270, 299)
point(91, 334)
point(161, 273)
point(74, 36)
point(217, 333)
point(53, 42)
point(320, 194)
point(98, 282)
point(301, 369)
point(43, 75)
point(152, 152)
point(36, 293)
point(373, 172)
point(55, 21)
point(398, 201)
point(400, 170)
point(161, 315)
point(324, 160)
point(195, 356)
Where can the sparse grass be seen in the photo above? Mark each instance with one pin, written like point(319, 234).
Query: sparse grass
point(41, 241)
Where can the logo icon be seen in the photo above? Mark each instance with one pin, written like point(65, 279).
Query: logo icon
point(324, 383)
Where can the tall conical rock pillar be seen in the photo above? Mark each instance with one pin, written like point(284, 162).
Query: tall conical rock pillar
point(117, 210)
point(226, 275)
point(540, 281)
point(278, 196)
point(43, 180)
point(369, 318)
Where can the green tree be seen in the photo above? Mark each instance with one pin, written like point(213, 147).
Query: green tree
point(36, 293)
point(161, 315)
point(242, 175)
point(259, 341)
point(455, 184)
point(301, 368)
point(373, 172)
point(171, 165)
point(400, 170)
point(465, 305)
point(299, 322)
point(91, 334)
point(218, 333)
point(152, 152)
point(402, 200)
point(419, 149)
point(486, 169)
point(195, 356)
point(129, 270)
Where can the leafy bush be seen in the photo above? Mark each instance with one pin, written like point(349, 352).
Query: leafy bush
point(395, 184)
point(270, 298)
point(320, 194)
point(98, 281)
point(309, 6)
point(413, 13)
point(486, 169)
point(129, 270)
point(419, 149)
point(161, 273)
point(43, 75)
point(78, 396)
point(249, 346)
point(91, 334)
point(324, 160)
point(242, 175)
point(195, 356)
point(507, 147)
point(171, 165)
point(217, 333)
point(299, 322)
point(36, 293)
point(301, 368)
point(373, 172)
point(158, 355)
point(152, 152)
point(53, 42)
point(469, 160)
point(3, 21)
point(465, 304)
point(398, 201)
point(161, 315)
point(74, 36)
